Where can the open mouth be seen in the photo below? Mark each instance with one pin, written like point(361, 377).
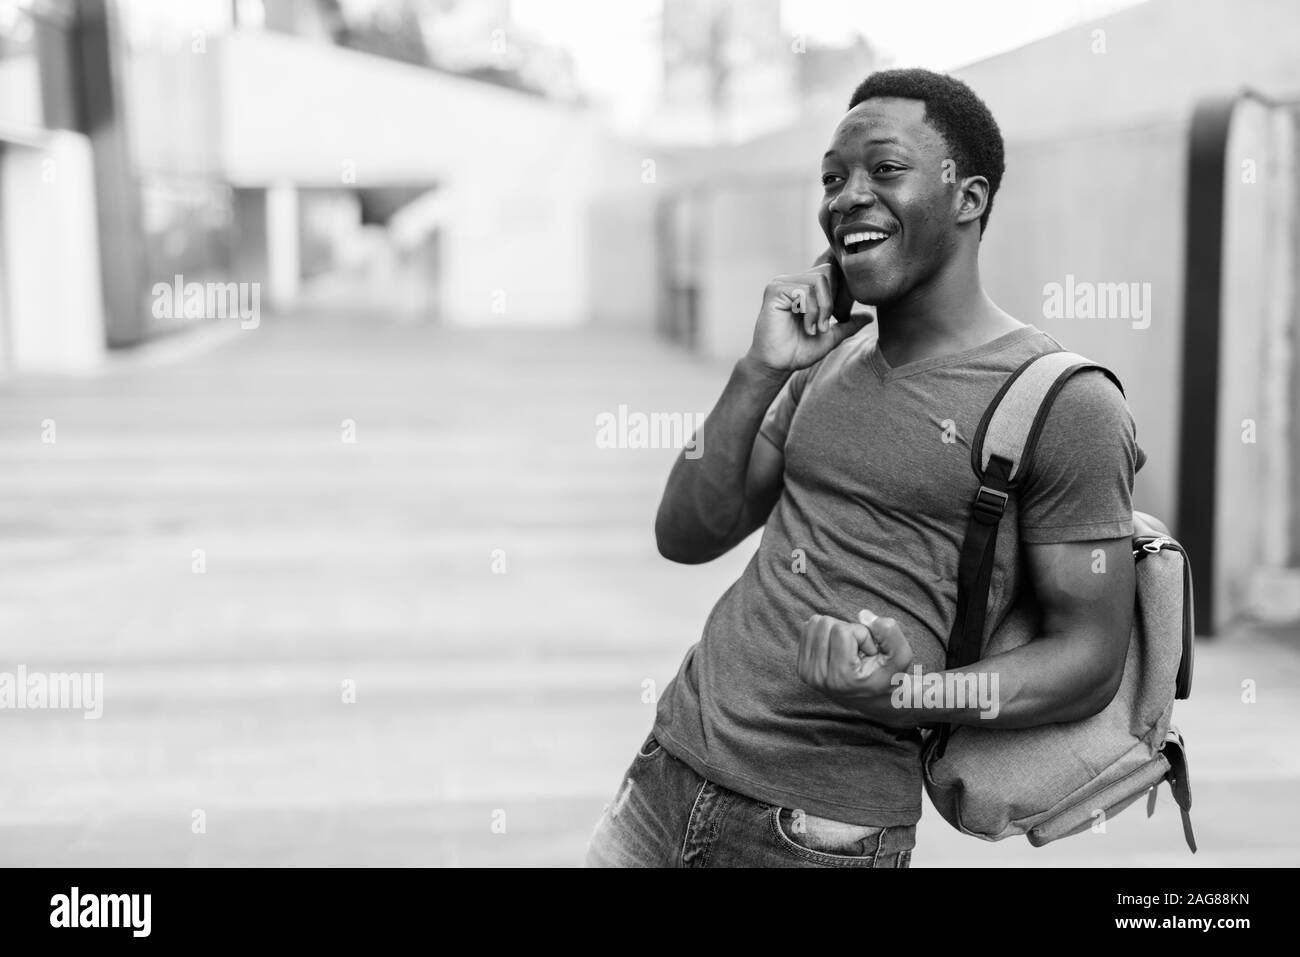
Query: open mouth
point(863, 241)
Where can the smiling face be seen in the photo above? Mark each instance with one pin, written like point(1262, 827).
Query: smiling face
point(889, 212)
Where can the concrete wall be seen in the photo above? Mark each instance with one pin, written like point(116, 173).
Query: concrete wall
point(1159, 58)
point(751, 232)
point(51, 310)
point(1255, 470)
point(623, 258)
point(172, 95)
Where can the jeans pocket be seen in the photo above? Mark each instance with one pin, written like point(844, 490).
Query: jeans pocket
point(820, 840)
point(649, 747)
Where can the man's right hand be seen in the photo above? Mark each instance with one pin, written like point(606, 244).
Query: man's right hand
point(804, 316)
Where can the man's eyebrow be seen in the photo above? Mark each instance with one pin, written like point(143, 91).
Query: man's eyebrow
point(874, 141)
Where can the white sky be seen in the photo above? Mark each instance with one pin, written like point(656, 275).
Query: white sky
point(944, 34)
point(612, 41)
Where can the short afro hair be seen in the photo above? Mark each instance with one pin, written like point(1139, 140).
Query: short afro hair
point(954, 110)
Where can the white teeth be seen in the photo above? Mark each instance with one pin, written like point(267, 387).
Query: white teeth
point(863, 237)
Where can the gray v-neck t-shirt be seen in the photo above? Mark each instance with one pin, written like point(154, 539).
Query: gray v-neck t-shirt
point(878, 486)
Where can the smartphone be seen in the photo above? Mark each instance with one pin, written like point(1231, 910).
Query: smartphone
point(845, 305)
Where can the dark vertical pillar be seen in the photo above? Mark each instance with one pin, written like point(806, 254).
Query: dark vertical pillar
point(1202, 291)
point(123, 262)
point(252, 251)
point(55, 35)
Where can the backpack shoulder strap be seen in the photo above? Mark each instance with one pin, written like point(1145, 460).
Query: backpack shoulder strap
point(1014, 419)
point(1001, 452)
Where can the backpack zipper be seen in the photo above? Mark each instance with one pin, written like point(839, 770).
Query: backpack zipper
point(1153, 544)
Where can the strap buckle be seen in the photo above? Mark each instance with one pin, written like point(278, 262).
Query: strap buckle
point(990, 502)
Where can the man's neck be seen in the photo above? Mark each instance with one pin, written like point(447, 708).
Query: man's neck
point(948, 314)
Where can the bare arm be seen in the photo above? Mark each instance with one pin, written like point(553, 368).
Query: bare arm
point(726, 486)
point(714, 501)
point(1073, 669)
point(1070, 672)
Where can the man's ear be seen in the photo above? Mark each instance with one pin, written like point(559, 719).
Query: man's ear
point(972, 198)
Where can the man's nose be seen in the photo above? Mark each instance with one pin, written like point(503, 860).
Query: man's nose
point(857, 191)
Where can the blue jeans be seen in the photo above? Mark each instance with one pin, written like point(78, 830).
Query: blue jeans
point(666, 815)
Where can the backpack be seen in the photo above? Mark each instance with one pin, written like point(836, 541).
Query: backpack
point(1056, 780)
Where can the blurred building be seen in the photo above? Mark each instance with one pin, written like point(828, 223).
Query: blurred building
point(479, 38)
point(731, 72)
point(52, 313)
point(419, 156)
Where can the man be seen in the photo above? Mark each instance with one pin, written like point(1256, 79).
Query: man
point(777, 743)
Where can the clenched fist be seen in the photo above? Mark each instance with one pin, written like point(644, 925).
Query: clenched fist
point(804, 316)
point(851, 661)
